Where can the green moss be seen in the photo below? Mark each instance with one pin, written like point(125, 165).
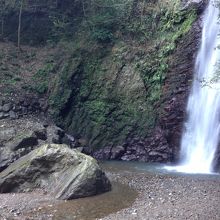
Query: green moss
point(173, 25)
point(41, 79)
point(63, 86)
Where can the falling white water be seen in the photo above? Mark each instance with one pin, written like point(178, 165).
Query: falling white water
point(201, 135)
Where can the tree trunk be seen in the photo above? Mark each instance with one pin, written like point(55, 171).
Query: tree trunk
point(83, 7)
point(19, 25)
point(142, 12)
point(2, 27)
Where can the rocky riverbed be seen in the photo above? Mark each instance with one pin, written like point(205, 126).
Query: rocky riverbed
point(159, 196)
point(170, 197)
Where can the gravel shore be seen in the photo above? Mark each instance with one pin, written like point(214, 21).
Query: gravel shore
point(170, 197)
point(160, 196)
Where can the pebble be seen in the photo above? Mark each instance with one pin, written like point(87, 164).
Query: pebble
point(134, 212)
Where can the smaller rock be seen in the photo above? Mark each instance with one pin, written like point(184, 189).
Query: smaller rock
point(56, 140)
point(7, 107)
point(153, 153)
point(80, 149)
point(69, 140)
point(12, 115)
point(41, 134)
point(134, 212)
point(86, 150)
point(129, 158)
point(7, 134)
point(24, 110)
point(117, 152)
point(1, 102)
point(104, 154)
point(55, 134)
point(45, 124)
point(59, 131)
point(23, 142)
point(3, 115)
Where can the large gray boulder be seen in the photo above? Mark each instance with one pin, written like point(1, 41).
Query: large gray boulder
point(57, 169)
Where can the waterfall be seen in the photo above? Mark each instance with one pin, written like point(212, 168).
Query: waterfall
point(201, 132)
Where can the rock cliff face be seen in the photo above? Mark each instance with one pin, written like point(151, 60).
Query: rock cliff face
point(178, 82)
point(177, 87)
point(163, 143)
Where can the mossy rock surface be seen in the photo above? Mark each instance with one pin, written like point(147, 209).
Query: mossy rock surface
point(102, 100)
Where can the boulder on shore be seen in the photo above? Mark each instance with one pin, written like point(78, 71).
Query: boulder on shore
point(58, 170)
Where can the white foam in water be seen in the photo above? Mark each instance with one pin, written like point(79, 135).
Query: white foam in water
point(201, 135)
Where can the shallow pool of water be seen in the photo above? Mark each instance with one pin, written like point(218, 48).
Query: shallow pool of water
point(91, 208)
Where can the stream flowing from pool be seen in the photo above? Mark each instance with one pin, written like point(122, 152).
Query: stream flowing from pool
point(201, 135)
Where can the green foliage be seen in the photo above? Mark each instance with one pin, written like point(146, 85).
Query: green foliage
point(63, 86)
point(173, 25)
point(104, 18)
point(102, 35)
point(41, 79)
point(61, 27)
point(87, 104)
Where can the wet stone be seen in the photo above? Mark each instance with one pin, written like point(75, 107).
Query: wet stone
point(7, 107)
point(1, 102)
point(12, 115)
point(3, 115)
